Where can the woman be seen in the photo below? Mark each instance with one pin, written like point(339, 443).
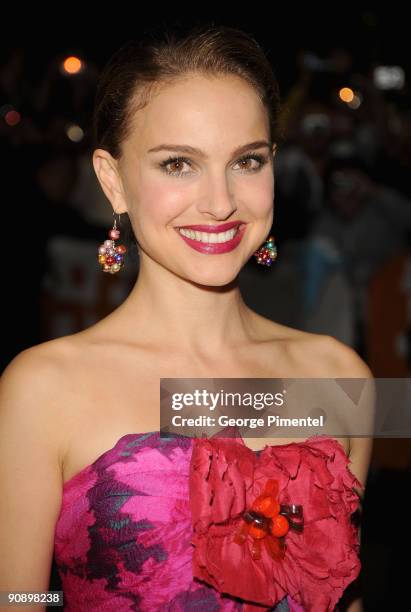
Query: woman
point(186, 131)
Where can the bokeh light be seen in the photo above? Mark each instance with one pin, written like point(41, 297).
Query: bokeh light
point(346, 94)
point(72, 65)
point(75, 133)
point(12, 118)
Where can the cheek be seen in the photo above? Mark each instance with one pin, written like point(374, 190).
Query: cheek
point(158, 204)
point(258, 196)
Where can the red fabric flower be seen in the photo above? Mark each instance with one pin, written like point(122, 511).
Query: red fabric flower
point(319, 563)
point(268, 522)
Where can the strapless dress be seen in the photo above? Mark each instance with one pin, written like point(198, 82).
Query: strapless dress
point(150, 525)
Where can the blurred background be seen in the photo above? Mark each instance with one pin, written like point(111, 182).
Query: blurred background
point(342, 221)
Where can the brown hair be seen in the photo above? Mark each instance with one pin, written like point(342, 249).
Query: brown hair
point(134, 71)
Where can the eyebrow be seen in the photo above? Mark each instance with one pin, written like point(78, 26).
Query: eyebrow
point(194, 151)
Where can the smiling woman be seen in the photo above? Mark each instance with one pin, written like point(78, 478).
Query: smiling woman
point(141, 522)
point(214, 182)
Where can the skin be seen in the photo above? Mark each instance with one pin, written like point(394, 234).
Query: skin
point(66, 401)
point(212, 193)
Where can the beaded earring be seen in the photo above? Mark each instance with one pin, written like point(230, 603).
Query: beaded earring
point(110, 256)
point(267, 253)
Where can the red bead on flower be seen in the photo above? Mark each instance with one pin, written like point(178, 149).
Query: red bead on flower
point(268, 521)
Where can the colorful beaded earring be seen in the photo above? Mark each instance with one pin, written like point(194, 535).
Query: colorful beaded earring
point(110, 256)
point(267, 253)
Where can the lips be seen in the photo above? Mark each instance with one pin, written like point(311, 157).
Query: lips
point(213, 229)
point(214, 248)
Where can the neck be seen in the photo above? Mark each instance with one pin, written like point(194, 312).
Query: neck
point(175, 314)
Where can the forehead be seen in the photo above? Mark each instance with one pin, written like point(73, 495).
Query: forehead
point(205, 111)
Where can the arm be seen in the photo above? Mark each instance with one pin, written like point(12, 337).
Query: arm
point(30, 474)
point(360, 455)
point(346, 363)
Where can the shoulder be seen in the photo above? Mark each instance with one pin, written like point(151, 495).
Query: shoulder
point(39, 366)
point(320, 355)
point(31, 390)
point(316, 355)
point(336, 359)
point(342, 361)
point(313, 355)
point(38, 375)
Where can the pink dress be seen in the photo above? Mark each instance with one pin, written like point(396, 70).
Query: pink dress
point(150, 526)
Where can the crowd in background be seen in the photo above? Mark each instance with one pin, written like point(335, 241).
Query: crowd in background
point(342, 208)
point(342, 226)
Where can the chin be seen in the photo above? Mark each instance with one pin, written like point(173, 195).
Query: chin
point(213, 277)
point(218, 280)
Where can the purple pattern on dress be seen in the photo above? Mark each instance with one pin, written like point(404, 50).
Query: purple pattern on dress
point(122, 539)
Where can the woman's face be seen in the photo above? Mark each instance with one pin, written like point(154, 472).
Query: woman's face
point(166, 188)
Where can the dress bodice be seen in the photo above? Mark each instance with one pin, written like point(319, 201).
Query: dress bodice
point(149, 526)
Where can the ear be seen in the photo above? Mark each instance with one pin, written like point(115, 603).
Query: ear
point(274, 149)
point(106, 169)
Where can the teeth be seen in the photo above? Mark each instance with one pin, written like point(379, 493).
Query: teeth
point(209, 237)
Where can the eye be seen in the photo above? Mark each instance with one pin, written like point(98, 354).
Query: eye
point(253, 156)
point(177, 161)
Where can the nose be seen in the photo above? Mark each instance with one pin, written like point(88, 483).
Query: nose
point(218, 201)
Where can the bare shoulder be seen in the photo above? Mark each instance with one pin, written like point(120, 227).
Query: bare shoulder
point(39, 367)
point(310, 354)
point(31, 390)
point(336, 359)
point(320, 355)
point(323, 356)
point(341, 361)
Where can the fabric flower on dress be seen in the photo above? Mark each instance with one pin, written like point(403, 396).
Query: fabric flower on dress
point(268, 522)
point(317, 564)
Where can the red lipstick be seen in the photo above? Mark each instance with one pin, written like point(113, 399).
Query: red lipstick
point(214, 247)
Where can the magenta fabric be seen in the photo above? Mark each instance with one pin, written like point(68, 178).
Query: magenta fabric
point(126, 537)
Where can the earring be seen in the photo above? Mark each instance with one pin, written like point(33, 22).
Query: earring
point(111, 257)
point(267, 253)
